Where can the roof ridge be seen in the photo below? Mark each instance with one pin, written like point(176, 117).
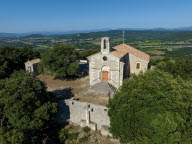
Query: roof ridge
point(132, 50)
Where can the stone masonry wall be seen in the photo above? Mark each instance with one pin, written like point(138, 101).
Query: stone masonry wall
point(88, 114)
point(95, 66)
point(133, 60)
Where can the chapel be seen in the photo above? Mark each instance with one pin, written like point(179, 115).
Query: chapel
point(113, 65)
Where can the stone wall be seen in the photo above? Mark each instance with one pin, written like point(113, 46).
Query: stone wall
point(95, 69)
point(118, 69)
point(88, 114)
point(28, 67)
point(31, 67)
point(133, 62)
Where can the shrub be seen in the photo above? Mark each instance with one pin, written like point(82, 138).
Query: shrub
point(83, 139)
point(63, 134)
point(86, 129)
point(72, 136)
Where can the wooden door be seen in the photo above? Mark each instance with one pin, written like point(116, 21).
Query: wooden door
point(105, 76)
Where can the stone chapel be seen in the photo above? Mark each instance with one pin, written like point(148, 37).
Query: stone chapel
point(113, 65)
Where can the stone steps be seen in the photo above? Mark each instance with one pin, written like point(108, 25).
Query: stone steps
point(104, 87)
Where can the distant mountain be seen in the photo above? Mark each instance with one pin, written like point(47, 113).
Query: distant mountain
point(184, 28)
point(159, 29)
point(175, 29)
point(35, 36)
point(12, 34)
point(48, 33)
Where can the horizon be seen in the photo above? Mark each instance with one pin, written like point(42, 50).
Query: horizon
point(95, 30)
point(73, 15)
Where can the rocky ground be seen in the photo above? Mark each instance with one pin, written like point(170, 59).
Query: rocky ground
point(92, 137)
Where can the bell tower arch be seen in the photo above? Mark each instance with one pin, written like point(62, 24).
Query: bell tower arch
point(105, 45)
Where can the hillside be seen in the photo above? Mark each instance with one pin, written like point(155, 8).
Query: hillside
point(156, 42)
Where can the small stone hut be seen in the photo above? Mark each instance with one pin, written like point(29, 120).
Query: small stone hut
point(32, 65)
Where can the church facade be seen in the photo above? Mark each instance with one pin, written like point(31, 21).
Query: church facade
point(113, 65)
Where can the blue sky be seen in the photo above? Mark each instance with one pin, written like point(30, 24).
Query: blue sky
point(65, 15)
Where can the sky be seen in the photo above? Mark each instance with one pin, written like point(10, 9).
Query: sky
point(66, 15)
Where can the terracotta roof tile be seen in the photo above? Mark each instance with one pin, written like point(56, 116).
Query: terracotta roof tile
point(34, 61)
point(129, 49)
point(123, 49)
point(118, 54)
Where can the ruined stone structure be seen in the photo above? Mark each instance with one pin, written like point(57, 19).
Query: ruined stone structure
point(87, 114)
point(113, 65)
point(32, 65)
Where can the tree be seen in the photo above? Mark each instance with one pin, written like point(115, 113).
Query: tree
point(11, 137)
point(60, 61)
point(12, 58)
point(152, 108)
point(177, 67)
point(25, 103)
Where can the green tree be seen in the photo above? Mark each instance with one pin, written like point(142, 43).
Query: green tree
point(12, 58)
point(177, 67)
point(25, 103)
point(152, 108)
point(60, 61)
point(11, 137)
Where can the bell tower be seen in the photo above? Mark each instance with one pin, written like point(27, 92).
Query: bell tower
point(105, 46)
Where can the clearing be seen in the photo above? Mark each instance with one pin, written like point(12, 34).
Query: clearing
point(79, 88)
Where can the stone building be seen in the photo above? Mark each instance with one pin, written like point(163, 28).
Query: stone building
point(113, 65)
point(32, 65)
point(88, 114)
point(106, 68)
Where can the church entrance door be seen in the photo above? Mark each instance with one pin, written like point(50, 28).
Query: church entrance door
point(105, 76)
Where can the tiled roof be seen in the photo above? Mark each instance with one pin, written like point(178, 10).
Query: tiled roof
point(118, 54)
point(34, 61)
point(123, 48)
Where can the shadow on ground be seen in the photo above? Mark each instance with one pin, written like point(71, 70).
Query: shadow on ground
point(63, 94)
point(63, 114)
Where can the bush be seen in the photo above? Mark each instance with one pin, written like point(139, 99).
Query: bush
point(63, 134)
point(72, 136)
point(86, 129)
point(83, 139)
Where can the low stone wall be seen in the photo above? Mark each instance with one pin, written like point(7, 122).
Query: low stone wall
point(88, 114)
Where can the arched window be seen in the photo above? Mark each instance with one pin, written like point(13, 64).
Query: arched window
point(104, 44)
